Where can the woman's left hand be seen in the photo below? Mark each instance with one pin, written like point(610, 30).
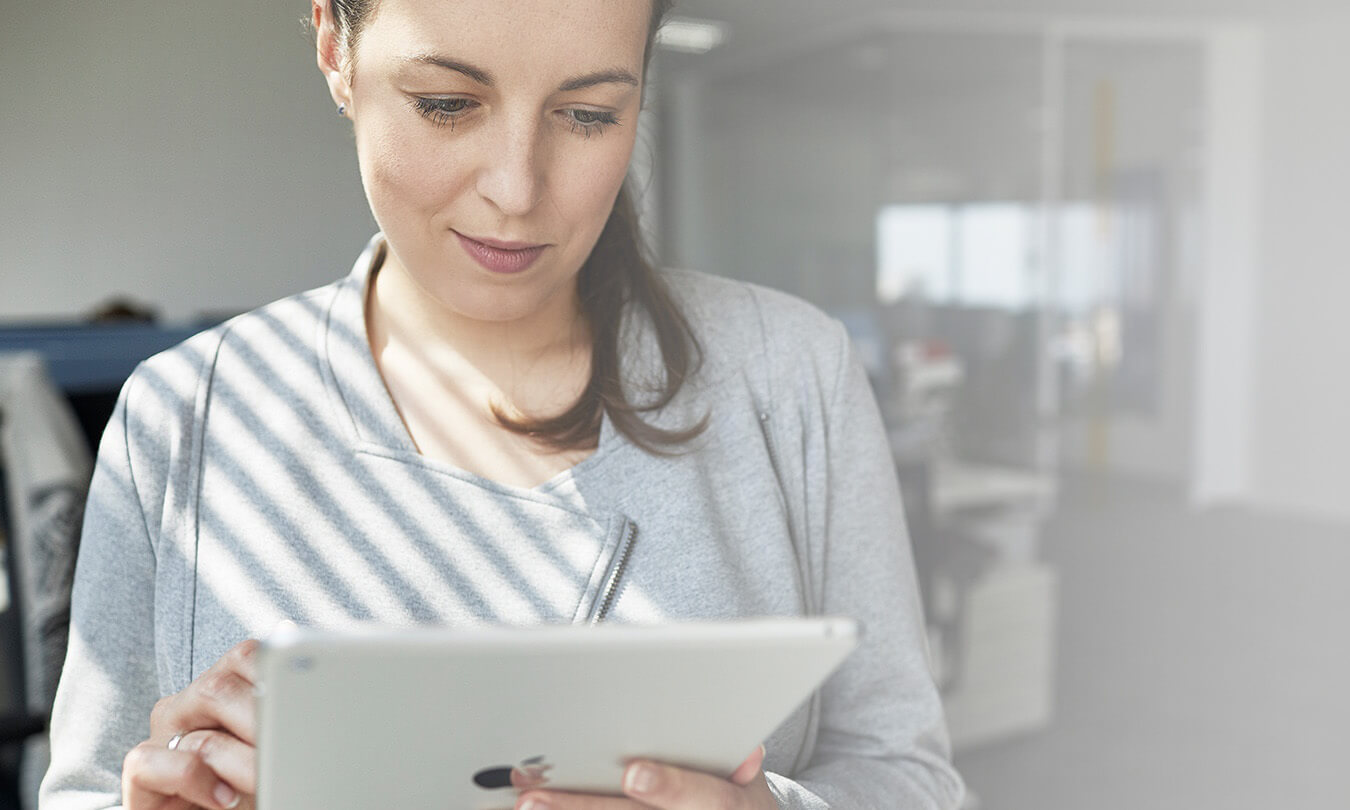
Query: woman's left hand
point(652, 785)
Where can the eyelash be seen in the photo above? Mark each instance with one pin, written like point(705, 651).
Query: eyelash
point(442, 111)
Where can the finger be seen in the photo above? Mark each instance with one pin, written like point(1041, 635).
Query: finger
point(747, 771)
point(151, 773)
point(529, 777)
point(670, 788)
point(220, 698)
point(232, 759)
point(243, 659)
point(541, 800)
point(235, 672)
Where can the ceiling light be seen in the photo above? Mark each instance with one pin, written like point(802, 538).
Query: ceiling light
point(691, 36)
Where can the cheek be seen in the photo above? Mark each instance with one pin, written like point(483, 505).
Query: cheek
point(403, 169)
point(587, 187)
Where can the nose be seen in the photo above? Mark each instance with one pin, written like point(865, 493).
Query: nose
point(512, 176)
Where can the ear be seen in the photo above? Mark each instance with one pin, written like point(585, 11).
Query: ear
point(330, 52)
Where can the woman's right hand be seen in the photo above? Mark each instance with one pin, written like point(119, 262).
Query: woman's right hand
point(214, 763)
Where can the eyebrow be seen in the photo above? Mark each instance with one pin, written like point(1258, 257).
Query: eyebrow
point(615, 76)
point(480, 76)
point(611, 76)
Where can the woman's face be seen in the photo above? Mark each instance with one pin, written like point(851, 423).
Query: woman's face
point(493, 137)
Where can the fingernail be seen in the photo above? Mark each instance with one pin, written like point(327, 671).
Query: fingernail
point(226, 796)
point(641, 778)
point(534, 804)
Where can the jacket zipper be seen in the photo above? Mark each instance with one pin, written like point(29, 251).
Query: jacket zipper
point(611, 590)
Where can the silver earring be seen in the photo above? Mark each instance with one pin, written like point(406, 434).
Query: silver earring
point(342, 109)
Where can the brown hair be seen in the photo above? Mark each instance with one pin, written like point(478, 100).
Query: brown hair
point(618, 274)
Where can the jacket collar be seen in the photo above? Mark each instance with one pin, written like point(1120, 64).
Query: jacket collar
point(349, 363)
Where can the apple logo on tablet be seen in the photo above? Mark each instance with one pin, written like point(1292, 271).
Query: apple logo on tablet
point(530, 773)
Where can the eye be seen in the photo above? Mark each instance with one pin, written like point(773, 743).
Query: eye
point(590, 122)
point(442, 111)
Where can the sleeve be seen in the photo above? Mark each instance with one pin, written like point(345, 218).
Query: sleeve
point(108, 684)
point(883, 739)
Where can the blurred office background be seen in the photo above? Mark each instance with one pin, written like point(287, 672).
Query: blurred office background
point(1094, 251)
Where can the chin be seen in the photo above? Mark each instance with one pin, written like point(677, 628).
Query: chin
point(494, 303)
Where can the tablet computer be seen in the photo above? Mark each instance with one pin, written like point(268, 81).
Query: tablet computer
point(466, 719)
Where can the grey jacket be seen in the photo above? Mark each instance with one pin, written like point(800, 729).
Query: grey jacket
point(259, 471)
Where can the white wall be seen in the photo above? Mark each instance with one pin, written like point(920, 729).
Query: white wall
point(1302, 399)
point(184, 153)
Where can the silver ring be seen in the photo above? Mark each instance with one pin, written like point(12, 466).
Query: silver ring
point(174, 741)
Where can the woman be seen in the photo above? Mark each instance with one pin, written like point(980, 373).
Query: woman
point(503, 414)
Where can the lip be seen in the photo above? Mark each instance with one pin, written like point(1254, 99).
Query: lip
point(500, 256)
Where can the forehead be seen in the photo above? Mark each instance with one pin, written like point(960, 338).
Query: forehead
point(531, 39)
